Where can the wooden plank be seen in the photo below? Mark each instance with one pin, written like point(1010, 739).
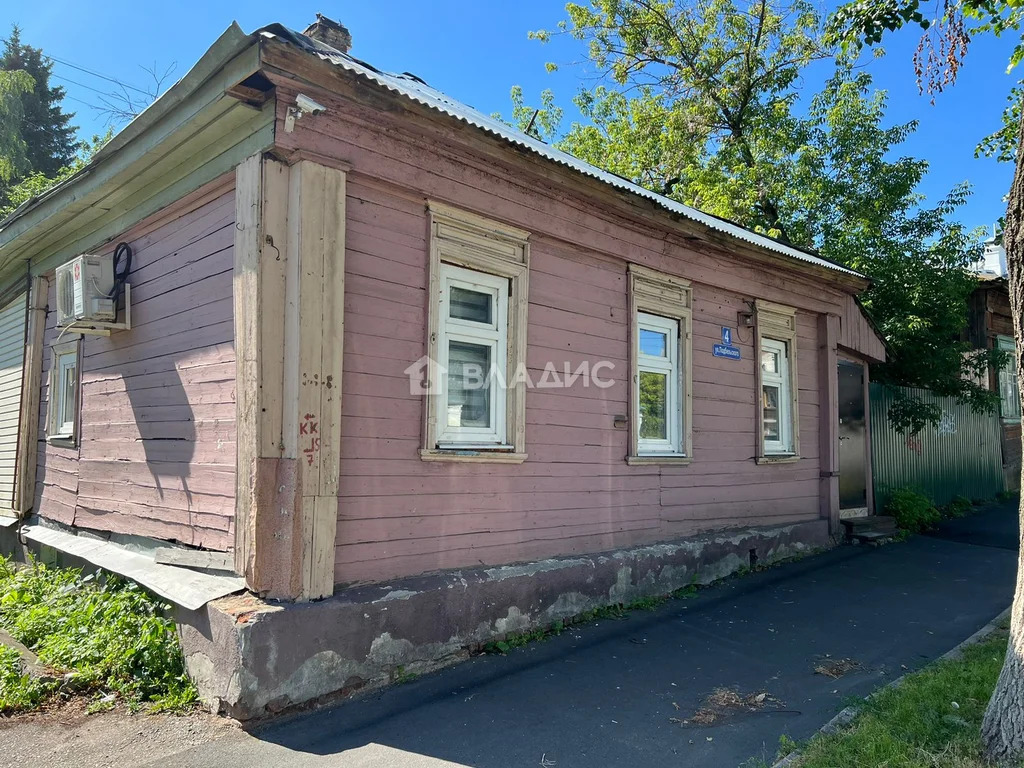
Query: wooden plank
point(248, 204)
point(28, 454)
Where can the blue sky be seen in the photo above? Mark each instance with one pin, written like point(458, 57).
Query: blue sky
point(476, 51)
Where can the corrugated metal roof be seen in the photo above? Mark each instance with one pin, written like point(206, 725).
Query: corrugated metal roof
point(414, 88)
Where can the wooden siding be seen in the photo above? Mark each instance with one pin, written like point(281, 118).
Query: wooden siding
point(156, 452)
point(575, 493)
point(12, 359)
point(858, 335)
point(398, 515)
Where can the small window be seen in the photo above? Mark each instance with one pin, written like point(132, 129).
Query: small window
point(64, 388)
point(658, 385)
point(660, 377)
point(775, 397)
point(1009, 393)
point(777, 403)
point(473, 347)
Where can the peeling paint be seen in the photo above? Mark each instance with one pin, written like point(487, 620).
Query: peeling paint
point(293, 653)
point(397, 594)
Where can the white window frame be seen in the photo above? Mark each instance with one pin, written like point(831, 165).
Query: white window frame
point(494, 336)
point(1009, 394)
point(776, 331)
point(669, 367)
point(663, 303)
point(470, 250)
point(780, 379)
point(61, 429)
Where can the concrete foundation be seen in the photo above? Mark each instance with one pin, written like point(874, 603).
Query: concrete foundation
point(251, 658)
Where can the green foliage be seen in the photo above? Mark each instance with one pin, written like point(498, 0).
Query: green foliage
point(914, 512)
point(17, 691)
point(960, 506)
point(105, 634)
point(701, 100)
point(36, 183)
point(13, 149)
point(45, 128)
point(942, 48)
point(932, 719)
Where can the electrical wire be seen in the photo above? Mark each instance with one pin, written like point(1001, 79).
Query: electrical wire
point(123, 250)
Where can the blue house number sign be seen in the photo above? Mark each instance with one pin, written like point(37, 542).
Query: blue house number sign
point(726, 349)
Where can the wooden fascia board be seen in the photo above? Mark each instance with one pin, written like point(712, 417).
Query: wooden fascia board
point(306, 69)
point(199, 166)
point(229, 61)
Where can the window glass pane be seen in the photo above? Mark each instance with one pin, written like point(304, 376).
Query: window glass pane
point(68, 394)
point(470, 305)
point(769, 361)
point(653, 406)
point(653, 343)
point(469, 389)
point(770, 404)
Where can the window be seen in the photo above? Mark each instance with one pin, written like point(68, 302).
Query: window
point(473, 351)
point(775, 397)
point(1009, 393)
point(475, 402)
point(778, 408)
point(660, 383)
point(657, 362)
point(63, 391)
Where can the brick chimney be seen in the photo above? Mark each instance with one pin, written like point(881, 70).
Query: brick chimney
point(330, 32)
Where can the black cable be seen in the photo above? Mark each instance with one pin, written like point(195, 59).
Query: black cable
point(122, 250)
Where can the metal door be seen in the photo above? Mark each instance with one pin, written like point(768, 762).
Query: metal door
point(853, 475)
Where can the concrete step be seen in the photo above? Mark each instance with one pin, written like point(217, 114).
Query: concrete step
point(879, 523)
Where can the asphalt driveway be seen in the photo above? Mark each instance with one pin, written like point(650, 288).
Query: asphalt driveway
point(612, 693)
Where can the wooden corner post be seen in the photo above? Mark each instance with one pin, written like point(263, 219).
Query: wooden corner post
point(289, 304)
point(32, 374)
point(828, 445)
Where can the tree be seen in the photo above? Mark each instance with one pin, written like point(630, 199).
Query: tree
point(45, 127)
point(13, 149)
point(701, 100)
point(939, 56)
point(36, 183)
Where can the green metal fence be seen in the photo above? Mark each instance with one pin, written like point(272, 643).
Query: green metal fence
point(961, 456)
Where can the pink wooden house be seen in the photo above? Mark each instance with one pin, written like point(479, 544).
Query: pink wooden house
point(399, 379)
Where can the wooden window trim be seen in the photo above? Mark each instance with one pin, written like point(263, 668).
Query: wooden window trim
point(53, 434)
point(656, 293)
point(463, 239)
point(777, 323)
point(1006, 344)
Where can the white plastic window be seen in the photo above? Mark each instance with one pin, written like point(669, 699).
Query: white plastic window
point(472, 352)
point(659, 385)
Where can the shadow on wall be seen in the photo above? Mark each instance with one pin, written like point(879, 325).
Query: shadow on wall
point(166, 426)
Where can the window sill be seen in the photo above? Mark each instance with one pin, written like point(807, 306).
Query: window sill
point(472, 455)
point(63, 441)
point(778, 458)
point(651, 459)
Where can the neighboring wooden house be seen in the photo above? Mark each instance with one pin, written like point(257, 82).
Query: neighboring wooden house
point(321, 257)
point(990, 326)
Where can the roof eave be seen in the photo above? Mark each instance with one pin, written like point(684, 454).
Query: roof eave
point(38, 209)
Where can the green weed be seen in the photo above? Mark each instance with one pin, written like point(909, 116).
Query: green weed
point(103, 634)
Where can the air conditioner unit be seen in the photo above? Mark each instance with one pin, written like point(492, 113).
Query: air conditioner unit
point(84, 288)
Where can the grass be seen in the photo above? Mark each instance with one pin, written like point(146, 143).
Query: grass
point(102, 635)
point(931, 720)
